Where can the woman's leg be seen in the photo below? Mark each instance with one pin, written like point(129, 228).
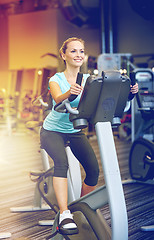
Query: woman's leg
point(54, 145)
point(60, 188)
point(86, 189)
point(83, 151)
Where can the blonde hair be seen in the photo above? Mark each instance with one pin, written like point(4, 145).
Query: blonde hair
point(65, 43)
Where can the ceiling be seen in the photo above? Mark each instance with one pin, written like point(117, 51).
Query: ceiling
point(79, 12)
point(83, 12)
point(8, 1)
point(9, 7)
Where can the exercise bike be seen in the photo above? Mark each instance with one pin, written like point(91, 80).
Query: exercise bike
point(99, 105)
point(4, 235)
point(40, 177)
point(141, 157)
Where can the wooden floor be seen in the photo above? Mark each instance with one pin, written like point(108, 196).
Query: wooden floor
point(19, 153)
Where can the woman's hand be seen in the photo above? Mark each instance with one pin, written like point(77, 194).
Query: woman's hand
point(134, 88)
point(76, 89)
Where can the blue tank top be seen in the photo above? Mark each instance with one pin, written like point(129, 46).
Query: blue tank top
point(56, 121)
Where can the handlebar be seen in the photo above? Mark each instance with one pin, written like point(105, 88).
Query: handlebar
point(78, 81)
point(39, 101)
point(132, 77)
point(133, 82)
point(65, 106)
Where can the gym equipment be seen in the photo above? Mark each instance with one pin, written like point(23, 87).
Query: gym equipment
point(144, 99)
point(98, 105)
point(141, 157)
point(142, 107)
point(74, 170)
point(74, 178)
point(4, 235)
point(141, 160)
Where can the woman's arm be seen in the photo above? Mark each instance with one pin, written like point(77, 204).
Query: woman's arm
point(134, 88)
point(58, 96)
point(133, 91)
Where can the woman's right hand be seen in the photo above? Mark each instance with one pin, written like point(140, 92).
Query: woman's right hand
point(76, 89)
point(58, 96)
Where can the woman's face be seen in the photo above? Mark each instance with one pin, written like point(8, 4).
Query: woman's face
point(74, 54)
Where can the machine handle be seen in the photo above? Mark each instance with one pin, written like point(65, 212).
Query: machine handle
point(65, 106)
point(132, 77)
point(133, 82)
point(78, 81)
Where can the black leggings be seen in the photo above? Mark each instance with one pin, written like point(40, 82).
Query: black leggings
point(54, 145)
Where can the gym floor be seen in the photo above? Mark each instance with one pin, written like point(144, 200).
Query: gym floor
point(19, 153)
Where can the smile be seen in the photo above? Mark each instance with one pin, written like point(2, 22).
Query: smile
point(78, 60)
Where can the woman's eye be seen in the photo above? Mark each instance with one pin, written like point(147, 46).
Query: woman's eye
point(73, 51)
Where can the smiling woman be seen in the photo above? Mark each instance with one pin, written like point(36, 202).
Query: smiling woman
point(72, 53)
point(57, 130)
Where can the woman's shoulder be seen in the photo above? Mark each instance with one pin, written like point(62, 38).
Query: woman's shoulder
point(85, 76)
point(56, 77)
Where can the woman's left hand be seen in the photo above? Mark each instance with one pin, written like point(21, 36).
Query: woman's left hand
point(134, 88)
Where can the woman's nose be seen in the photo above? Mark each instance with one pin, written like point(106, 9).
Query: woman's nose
point(78, 53)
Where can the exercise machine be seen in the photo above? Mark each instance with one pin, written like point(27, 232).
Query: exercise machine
point(74, 178)
point(4, 235)
point(99, 105)
point(141, 157)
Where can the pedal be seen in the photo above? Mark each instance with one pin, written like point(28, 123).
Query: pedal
point(148, 228)
point(46, 222)
point(5, 235)
point(30, 208)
